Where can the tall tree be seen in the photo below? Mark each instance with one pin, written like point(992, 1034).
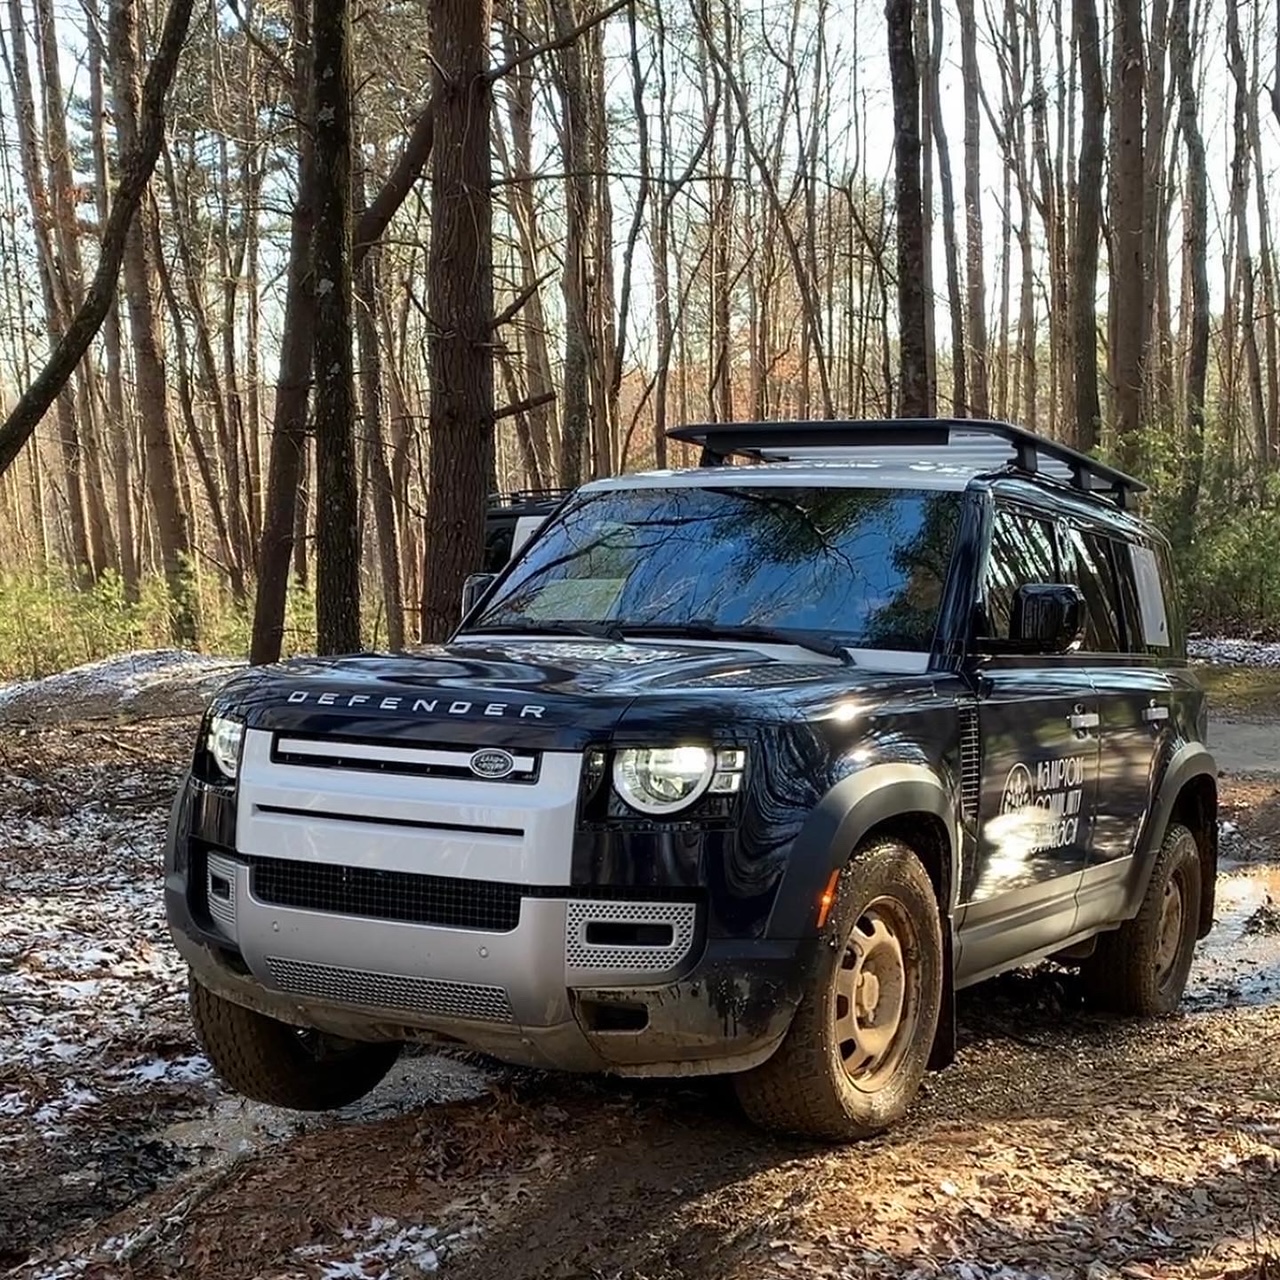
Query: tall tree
point(975, 250)
point(460, 303)
point(337, 508)
point(1088, 220)
point(173, 529)
point(1196, 252)
point(913, 368)
point(1128, 316)
point(287, 457)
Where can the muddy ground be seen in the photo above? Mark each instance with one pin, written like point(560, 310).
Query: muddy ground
point(1060, 1144)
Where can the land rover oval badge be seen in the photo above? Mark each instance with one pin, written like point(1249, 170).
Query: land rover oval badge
point(492, 762)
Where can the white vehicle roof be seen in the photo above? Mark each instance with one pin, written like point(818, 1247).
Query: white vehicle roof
point(889, 469)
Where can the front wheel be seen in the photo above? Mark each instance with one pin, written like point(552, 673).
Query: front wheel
point(269, 1061)
point(858, 1047)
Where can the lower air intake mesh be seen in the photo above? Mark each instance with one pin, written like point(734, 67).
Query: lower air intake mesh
point(387, 895)
point(391, 991)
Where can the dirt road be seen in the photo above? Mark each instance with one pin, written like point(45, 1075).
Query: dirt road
point(1061, 1143)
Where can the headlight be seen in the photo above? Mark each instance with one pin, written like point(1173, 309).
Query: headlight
point(662, 780)
point(223, 744)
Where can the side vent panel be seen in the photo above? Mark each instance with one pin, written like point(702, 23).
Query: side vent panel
point(970, 762)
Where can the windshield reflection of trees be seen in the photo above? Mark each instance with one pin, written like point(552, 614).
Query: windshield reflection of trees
point(865, 564)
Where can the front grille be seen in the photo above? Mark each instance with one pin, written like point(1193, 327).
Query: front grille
point(490, 906)
point(391, 991)
point(414, 761)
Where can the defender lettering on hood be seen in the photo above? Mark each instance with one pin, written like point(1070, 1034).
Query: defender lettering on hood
point(419, 706)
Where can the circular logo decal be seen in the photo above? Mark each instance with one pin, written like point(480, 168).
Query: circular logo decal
point(1018, 790)
point(492, 762)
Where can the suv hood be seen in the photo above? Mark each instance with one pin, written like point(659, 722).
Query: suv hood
point(555, 693)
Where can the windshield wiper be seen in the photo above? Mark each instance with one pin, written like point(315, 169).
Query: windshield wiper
point(553, 627)
point(814, 641)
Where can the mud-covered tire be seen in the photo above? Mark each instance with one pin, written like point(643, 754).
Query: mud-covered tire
point(1141, 969)
point(807, 1087)
point(285, 1066)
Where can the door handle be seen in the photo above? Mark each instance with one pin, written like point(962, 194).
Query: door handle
point(1081, 719)
point(1154, 714)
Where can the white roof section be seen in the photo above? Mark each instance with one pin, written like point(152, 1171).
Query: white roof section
point(906, 468)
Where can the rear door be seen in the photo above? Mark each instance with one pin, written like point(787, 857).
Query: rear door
point(1126, 644)
point(1038, 733)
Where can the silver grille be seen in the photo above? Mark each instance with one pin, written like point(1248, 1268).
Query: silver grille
point(223, 910)
point(970, 761)
point(581, 955)
point(391, 991)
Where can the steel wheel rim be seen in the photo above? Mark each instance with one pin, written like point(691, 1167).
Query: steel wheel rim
point(876, 1008)
point(1169, 935)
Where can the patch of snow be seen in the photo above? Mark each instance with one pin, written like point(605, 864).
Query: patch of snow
point(1243, 653)
point(125, 682)
point(378, 1250)
point(193, 1069)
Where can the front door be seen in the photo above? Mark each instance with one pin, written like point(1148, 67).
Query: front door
point(1038, 725)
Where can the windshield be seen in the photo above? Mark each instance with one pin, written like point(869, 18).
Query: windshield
point(866, 566)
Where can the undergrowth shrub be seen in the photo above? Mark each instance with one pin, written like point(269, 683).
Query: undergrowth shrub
point(47, 625)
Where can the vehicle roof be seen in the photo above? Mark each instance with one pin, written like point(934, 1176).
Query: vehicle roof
point(890, 469)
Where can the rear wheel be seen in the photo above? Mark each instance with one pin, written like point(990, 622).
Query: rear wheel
point(271, 1061)
point(1141, 968)
point(858, 1047)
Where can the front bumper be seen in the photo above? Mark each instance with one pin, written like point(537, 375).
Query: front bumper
point(567, 987)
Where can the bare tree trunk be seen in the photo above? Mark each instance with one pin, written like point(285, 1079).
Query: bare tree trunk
point(84, 491)
point(975, 250)
point(1154, 202)
point(286, 464)
point(913, 356)
point(51, 284)
point(575, 419)
point(460, 301)
point(1088, 219)
point(172, 526)
point(337, 506)
point(543, 428)
point(1196, 223)
point(382, 494)
point(118, 426)
point(1269, 442)
point(955, 297)
point(1128, 321)
point(928, 110)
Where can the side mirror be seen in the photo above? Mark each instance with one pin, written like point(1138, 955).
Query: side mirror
point(1047, 617)
point(473, 588)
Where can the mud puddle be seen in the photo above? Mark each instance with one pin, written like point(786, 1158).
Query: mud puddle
point(1238, 964)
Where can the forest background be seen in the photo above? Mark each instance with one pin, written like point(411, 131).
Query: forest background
point(394, 258)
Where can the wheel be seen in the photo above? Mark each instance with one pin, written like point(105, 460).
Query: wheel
point(270, 1061)
point(858, 1047)
point(1141, 968)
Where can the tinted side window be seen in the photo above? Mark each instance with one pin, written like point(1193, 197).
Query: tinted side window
point(1023, 549)
point(1130, 609)
point(1093, 571)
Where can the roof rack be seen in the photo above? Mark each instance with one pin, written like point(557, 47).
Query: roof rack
point(526, 497)
point(978, 443)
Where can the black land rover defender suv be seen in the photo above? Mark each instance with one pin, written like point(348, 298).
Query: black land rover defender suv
point(745, 768)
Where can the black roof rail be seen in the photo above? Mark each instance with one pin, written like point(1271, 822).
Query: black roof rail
point(527, 497)
point(797, 441)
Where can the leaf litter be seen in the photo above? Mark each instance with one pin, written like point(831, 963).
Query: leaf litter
point(1061, 1144)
